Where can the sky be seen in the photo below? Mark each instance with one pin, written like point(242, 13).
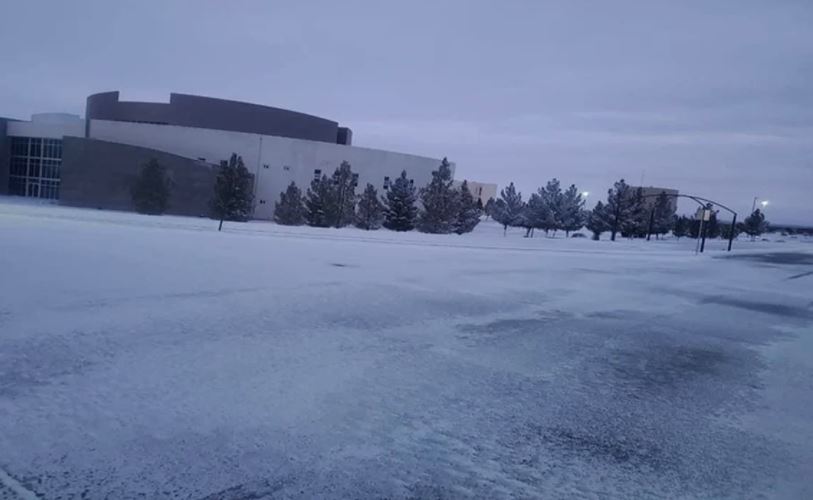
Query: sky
point(714, 98)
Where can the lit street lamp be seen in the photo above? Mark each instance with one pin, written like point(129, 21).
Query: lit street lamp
point(585, 194)
point(764, 204)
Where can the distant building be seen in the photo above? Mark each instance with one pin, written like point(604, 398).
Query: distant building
point(93, 161)
point(651, 196)
point(480, 190)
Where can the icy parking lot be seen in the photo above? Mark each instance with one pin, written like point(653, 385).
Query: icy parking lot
point(154, 357)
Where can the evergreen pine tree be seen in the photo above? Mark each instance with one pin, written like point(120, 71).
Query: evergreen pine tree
point(468, 213)
point(552, 196)
point(620, 205)
point(151, 190)
point(636, 224)
point(725, 230)
point(663, 215)
point(369, 210)
point(712, 226)
point(487, 210)
point(680, 226)
point(400, 210)
point(694, 228)
point(571, 210)
point(754, 224)
point(290, 209)
point(319, 202)
point(508, 209)
point(537, 214)
point(233, 191)
point(439, 209)
point(598, 220)
point(343, 207)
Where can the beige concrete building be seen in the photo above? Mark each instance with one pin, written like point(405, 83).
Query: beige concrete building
point(480, 190)
point(651, 195)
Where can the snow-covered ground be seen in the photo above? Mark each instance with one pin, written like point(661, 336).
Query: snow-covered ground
point(154, 357)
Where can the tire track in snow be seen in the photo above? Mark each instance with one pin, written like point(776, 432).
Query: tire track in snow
point(18, 489)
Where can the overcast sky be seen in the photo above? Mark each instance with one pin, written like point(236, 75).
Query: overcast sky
point(714, 98)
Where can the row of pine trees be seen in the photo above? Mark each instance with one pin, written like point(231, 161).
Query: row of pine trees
point(624, 212)
point(438, 208)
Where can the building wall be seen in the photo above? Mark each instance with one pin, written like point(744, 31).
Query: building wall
point(45, 126)
point(221, 114)
point(99, 174)
point(651, 192)
point(35, 172)
point(275, 161)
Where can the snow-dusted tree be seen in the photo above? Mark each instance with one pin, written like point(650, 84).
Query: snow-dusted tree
point(331, 202)
point(343, 208)
point(726, 229)
point(620, 206)
point(754, 224)
point(571, 210)
point(150, 192)
point(438, 212)
point(319, 202)
point(552, 196)
point(290, 209)
point(663, 214)
point(369, 210)
point(488, 208)
point(598, 220)
point(400, 211)
point(508, 208)
point(712, 226)
point(233, 195)
point(468, 213)
point(680, 226)
point(536, 214)
point(636, 224)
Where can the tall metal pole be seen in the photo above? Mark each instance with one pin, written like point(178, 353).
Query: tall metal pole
point(754, 204)
point(651, 221)
point(703, 229)
point(731, 234)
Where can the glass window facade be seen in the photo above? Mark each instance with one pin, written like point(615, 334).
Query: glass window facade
point(34, 167)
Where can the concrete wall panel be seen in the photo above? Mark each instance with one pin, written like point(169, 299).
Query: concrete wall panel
point(274, 161)
point(221, 114)
point(99, 174)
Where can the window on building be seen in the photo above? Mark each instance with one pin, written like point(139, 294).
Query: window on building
point(286, 168)
point(34, 167)
point(52, 148)
point(50, 169)
point(19, 146)
point(19, 166)
point(386, 182)
point(317, 174)
point(49, 189)
point(355, 180)
point(35, 147)
point(33, 188)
